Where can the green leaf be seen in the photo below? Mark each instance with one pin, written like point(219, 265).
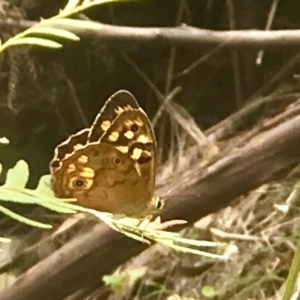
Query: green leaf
point(44, 186)
point(17, 177)
point(71, 5)
point(208, 291)
point(114, 281)
point(36, 42)
point(22, 219)
point(61, 33)
point(77, 23)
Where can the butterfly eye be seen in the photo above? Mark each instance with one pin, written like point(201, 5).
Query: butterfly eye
point(134, 128)
point(117, 161)
point(78, 183)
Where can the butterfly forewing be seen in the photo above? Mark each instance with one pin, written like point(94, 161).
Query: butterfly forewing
point(123, 124)
point(116, 104)
point(132, 134)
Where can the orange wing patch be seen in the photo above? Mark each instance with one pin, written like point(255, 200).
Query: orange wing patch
point(71, 168)
point(137, 152)
point(113, 136)
point(123, 149)
point(120, 109)
point(105, 125)
point(87, 173)
point(83, 159)
point(144, 139)
point(139, 122)
point(77, 147)
point(129, 134)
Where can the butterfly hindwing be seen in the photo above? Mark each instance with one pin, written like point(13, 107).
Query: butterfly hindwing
point(68, 147)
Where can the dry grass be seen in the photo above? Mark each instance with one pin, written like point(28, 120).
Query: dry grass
point(260, 232)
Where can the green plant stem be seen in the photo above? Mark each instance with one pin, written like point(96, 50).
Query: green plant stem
point(293, 274)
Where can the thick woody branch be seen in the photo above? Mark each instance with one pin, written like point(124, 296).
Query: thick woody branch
point(82, 262)
point(185, 36)
point(182, 36)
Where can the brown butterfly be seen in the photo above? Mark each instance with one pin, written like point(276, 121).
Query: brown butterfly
point(110, 167)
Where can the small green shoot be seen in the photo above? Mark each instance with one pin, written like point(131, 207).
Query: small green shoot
point(42, 33)
point(149, 234)
point(119, 280)
point(14, 190)
point(209, 292)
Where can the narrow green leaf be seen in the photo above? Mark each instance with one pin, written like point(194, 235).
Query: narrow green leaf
point(1, 168)
point(17, 177)
point(165, 235)
point(71, 5)
point(136, 237)
point(196, 243)
point(101, 2)
point(22, 219)
point(61, 33)
point(36, 42)
point(112, 225)
point(10, 195)
point(77, 23)
point(57, 208)
point(189, 250)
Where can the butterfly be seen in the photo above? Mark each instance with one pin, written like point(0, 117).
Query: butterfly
point(110, 167)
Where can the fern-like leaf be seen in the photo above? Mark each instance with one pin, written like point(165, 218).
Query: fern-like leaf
point(34, 41)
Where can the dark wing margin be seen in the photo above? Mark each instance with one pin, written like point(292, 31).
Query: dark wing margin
point(114, 106)
point(67, 147)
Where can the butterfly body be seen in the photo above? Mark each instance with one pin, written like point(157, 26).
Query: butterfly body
point(111, 166)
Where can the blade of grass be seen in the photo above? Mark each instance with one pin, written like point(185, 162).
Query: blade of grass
point(22, 219)
point(293, 274)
